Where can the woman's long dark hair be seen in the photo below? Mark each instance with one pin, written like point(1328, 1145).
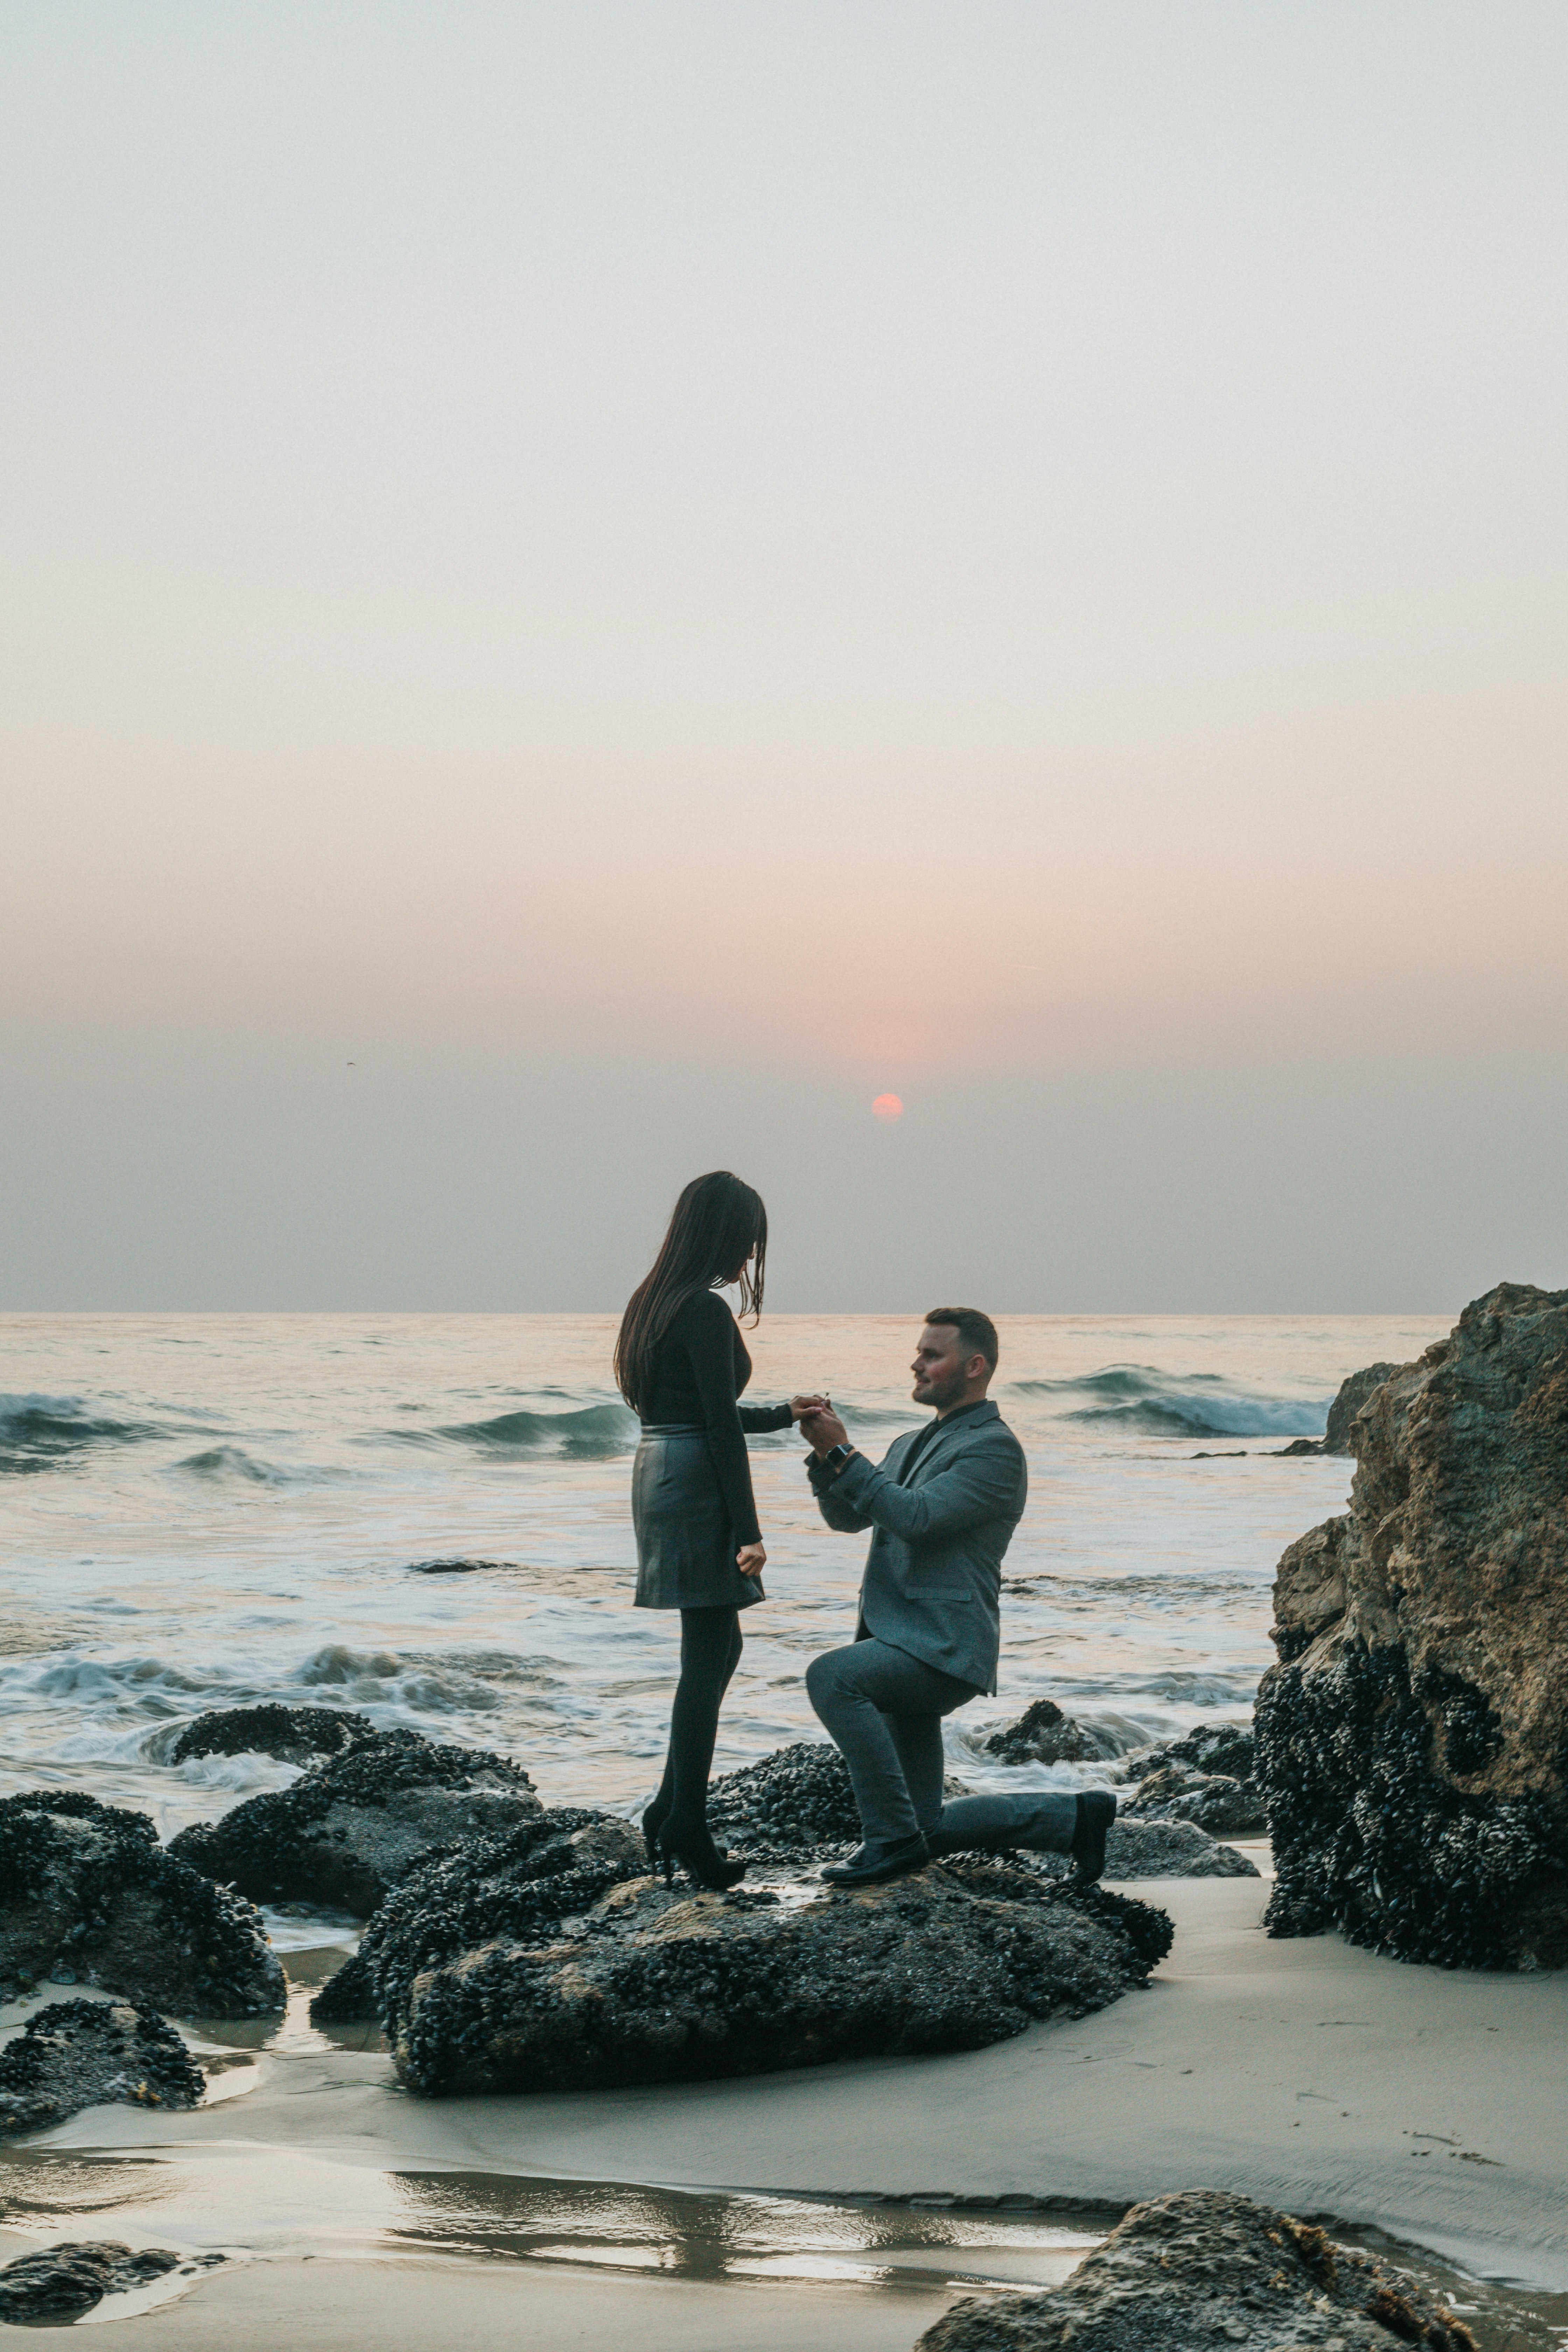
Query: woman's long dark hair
point(719, 1225)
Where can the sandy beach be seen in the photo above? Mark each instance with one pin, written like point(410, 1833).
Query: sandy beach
point(1326, 2079)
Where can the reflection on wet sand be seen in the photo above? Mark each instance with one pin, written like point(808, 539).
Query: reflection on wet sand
point(281, 2204)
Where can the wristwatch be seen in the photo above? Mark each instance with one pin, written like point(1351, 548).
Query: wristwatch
point(837, 1456)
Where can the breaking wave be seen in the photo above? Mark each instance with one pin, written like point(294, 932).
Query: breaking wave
point(1180, 1404)
point(594, 1430)
point(39, 1432)
point(232, 1466)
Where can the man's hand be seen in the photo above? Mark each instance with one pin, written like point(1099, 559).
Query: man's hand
point(801, 1405)
point(823, 1431)
point(752, 1558)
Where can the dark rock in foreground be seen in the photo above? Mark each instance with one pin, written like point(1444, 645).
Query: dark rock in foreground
point(60, 2281)
point(88, 1897)
point(355, 1824)
point(1043, 1735)
point(656, 1985)
point(1410, 1743)
point(522, 1887)
point(294, 1734)
point(88, 2054)
point(1202, 2271)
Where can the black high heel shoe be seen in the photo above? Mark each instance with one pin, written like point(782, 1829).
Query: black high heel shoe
point(653, 1820)
point(699, 1858)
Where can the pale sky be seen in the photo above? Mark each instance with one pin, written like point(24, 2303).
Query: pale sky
point(590, 587)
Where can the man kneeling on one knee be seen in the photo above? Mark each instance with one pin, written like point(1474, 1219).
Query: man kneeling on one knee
point(943, 1504)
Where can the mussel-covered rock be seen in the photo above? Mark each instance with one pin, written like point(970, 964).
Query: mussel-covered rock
point(795, 1804)
point(352, 1825)
point(58, 2282)
point(87, 2053)
point(652, 1984)
point(1223, 1748)
point(294, 1734)
point(1410, 1742)
point(1203, 2272)
point(550, 1868)
point(88, 1896)
point(1043, 1735)
point(1206, 1777)
point(1212, 1800)
point(1164, 1849)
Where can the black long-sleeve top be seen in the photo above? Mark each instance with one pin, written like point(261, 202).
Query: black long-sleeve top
point(699, 1368)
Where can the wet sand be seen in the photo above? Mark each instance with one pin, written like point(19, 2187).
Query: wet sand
point(500, 2306)
point(1308, 2074)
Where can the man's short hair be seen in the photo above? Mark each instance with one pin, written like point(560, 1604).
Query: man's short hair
point(976, 1332)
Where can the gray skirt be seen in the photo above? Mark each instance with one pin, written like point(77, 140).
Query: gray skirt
point(686, 1544)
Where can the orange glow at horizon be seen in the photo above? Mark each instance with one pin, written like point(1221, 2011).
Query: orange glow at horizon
point(887, 1106)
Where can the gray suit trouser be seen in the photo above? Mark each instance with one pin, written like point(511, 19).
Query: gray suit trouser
point(883, 1710)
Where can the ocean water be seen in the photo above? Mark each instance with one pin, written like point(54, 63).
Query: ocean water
point(206, 1511)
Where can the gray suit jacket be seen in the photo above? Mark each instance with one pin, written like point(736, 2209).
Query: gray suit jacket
point(933, 1574)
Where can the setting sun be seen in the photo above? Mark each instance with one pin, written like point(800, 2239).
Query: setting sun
point(888, 1106)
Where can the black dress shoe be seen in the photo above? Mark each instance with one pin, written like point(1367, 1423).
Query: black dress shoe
point(1096, 1812)
point(874, 1864)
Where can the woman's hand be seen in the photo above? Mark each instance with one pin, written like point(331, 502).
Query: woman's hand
point(823, 1431)
point(752, 1558)
point(801, 1405)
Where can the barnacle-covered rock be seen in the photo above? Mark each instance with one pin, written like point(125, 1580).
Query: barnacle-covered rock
point(794, 1804)
point(653, 1984)
point(294, 1734)
point(545, 1870)
point(1043, 1735)
point(352, 1825)
point(88, 1896)
point(1207, 1778)
point(1212, 1800)
point(1411, 1744)
point(1205, 2271)
point(58, 2282)
point(90, 2053)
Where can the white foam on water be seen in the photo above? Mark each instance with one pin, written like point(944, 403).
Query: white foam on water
point(275, 1560)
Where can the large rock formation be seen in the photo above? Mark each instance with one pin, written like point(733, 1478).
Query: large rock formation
point(88, 1897)
point(294, 1734)
point(1202, 2272)
point(656, 1985)
point(355, 1824)
point(1411, 1742)
point(1354, 1393)
point(90, 2053)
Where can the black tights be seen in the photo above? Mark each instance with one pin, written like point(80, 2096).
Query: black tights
point(711, 1647)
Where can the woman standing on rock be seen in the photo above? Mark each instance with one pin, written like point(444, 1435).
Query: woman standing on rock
point(681, 1364)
